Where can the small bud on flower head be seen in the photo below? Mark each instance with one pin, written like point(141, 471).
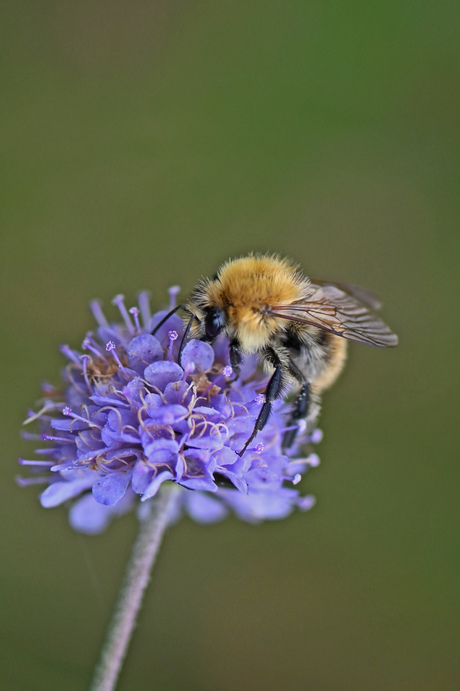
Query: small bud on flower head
point(131, 417)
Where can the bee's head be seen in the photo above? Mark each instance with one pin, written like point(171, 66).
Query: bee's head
point(210, 317)
point(213, 323)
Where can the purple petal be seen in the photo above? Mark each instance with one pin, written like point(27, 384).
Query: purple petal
point(58, 492)
point(159, 374)
point(237, 481)
point(205, 509)
point(89, 517)
point(198, 354)
point(143, 350)
point(204, 482)
point(226, 456)
point(142, 476)
point(213, 439)
point(162, 451)
point(167, 415)
point(154, 486)
point(110, 489)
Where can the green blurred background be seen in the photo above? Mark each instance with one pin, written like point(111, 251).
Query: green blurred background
point(142, 144)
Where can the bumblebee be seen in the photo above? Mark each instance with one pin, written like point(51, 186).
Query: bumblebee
point(297, 326)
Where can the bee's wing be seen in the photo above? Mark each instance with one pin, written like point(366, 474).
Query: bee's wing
point(367, 297)
point(332, 309)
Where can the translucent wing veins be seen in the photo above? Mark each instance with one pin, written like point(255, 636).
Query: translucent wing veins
point(332, 309)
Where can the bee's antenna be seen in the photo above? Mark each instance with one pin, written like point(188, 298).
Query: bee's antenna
point(165, 319)
point(187, 329)
point(184, 337)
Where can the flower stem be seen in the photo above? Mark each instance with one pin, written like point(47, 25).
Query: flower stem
point(137, 577)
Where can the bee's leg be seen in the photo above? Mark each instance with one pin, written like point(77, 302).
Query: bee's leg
point(235, 357)
point(273, 391)
point(299, 412)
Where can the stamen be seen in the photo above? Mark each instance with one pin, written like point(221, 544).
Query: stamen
point(46, 452)
point(173, 336)
point(135, 311)
point(173, 293)
point(47, 437)
point(111, 347)
point(32, 415)
point(189, 368)
point(288, 429)
point(90, 344)
point(96, 308)
point(295, 480)
point(260, 398)
point(187, 371)
point(143, 300)
point(39, 463)
point(68, 412)
point(301, 425)
point(24, 482)
point(306, 503)
point(85, 359)
point(118, 301)
point(30, 437)
point(69, 353)
point(313, 460)
point(317, 436)
point(259, 448)
point(226, 372)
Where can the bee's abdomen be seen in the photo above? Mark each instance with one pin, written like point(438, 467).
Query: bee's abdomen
point(318, 354)
point(335, 350)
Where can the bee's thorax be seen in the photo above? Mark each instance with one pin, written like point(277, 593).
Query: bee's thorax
point(247, 288)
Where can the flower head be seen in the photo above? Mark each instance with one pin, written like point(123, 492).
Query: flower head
point(131, 417)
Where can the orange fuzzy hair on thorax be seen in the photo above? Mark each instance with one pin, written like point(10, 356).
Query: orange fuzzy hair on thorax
point(246, 287)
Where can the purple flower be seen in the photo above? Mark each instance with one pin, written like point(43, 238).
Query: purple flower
point(130, 417)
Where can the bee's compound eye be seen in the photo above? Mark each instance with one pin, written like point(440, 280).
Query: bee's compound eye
point(214, 321)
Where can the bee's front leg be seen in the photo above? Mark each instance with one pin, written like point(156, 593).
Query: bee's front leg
point(274, 390)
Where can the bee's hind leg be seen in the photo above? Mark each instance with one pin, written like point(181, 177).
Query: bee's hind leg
point(300, 412)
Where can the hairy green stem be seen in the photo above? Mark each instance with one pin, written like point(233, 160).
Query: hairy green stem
point(137, 577)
